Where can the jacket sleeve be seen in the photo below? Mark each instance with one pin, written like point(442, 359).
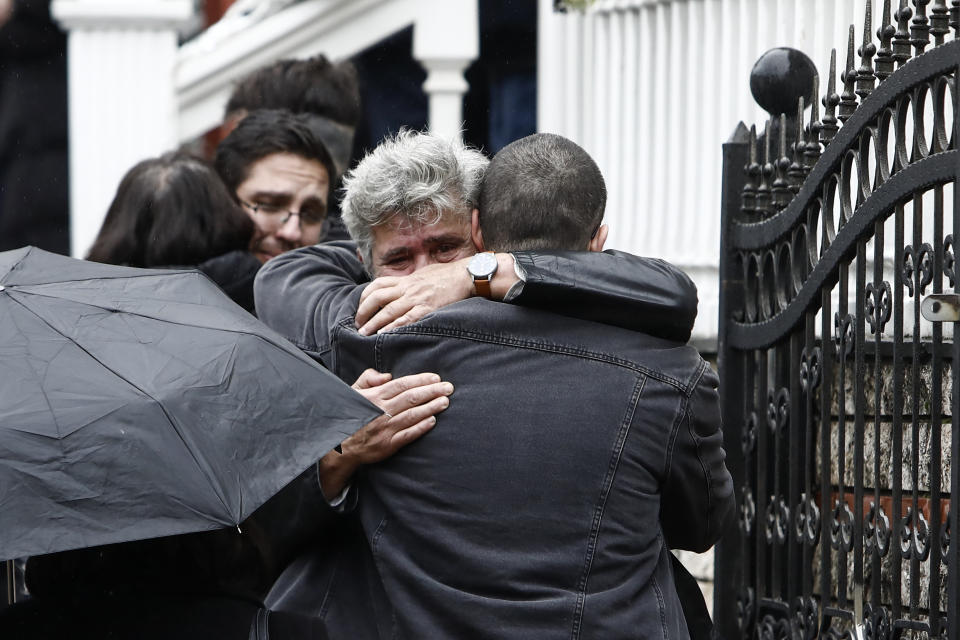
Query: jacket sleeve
point(292, 519)
point(303, 294)
point(612, 287)
point(697, 496)
point(234, 272)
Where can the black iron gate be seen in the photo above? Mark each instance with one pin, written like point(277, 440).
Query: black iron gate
point(840, 394)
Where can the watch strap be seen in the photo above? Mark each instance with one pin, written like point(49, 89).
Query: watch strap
point(483, 287)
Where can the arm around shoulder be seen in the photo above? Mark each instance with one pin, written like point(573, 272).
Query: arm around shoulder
point(612, 287)
point(303, 294)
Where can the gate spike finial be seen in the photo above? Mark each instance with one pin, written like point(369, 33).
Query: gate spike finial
point(848, 99)
point(795, 173)
point(939, 21)
point(766, 170)
point(865, 77)
point(749, 194)
point(781, 188)
point(885, 61)
point(828, 127)
point(920, 27)
point(812, 150)
point(901, 39)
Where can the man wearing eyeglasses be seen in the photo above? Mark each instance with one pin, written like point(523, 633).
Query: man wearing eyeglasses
point(279, 169)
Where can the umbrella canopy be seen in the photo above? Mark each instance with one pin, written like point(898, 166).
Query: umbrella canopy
point(139, 403)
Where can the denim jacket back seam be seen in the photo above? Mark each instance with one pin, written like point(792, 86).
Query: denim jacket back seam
point(659, 591)
point(686, 388)
point(682, 413)
point(612, 468)
point(705, 467)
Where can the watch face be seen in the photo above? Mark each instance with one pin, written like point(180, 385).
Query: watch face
point(482, 265)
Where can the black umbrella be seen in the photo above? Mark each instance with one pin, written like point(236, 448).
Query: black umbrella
point(140, 403)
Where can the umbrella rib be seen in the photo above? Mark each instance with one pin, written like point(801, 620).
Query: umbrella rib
point(286, 347)
point(163, 274)
point(18, 263)
point(46, 399)
point(166, 415)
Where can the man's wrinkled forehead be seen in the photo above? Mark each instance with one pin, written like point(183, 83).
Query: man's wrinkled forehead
point(408, 223)
point(420, 224)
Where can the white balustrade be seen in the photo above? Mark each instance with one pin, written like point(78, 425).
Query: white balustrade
point(653, 88)
point(134, 93)
point(122, 106)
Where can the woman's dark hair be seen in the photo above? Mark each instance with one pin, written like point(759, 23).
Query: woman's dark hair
point(171, 211)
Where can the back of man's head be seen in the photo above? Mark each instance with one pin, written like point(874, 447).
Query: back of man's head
point(314, 85)
point(541, 192)
point(265, 133)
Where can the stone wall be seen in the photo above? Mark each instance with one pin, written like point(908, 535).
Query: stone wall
point(907, 576)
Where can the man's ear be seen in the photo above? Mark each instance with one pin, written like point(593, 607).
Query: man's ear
point(359, 256)
point(475, 233)
point(598, 240)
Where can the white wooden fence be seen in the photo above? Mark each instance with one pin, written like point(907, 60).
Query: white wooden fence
point(652, 89)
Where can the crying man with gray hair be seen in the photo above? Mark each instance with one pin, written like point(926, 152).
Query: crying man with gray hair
point(408, 203)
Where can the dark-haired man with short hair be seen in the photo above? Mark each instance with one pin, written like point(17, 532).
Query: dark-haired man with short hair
point(544, 502)
point(282, 174)
point(327, 90)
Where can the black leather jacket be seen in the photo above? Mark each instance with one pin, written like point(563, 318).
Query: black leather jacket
point(543, 503)
point(303, 294)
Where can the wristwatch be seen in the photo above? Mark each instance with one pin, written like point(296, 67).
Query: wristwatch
point(481, 267)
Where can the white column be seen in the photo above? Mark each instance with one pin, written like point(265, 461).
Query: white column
point(122, 102)
point(445, 41)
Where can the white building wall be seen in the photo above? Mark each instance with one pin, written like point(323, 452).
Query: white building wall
point(653, 88)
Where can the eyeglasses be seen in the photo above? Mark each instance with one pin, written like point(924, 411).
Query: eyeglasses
point(279, 216)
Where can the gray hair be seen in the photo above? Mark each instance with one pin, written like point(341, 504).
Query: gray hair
point(414, 174)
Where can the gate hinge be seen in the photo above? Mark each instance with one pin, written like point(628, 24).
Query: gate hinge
point(941, 307)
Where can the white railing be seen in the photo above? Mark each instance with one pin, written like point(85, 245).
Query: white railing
point(134, 93)
point(652, 89)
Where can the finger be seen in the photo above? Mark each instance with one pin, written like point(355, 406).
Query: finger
point(386, 392)
point(386, 315)
point(372, 302)
point(404, 383)
point(410, 434)
point(411, 416)
point(377, 284)
point(417, 396)
point(416, 313)
point(376, 440)
point(371, 378)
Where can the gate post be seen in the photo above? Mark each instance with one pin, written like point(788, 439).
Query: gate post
point(728, 561)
